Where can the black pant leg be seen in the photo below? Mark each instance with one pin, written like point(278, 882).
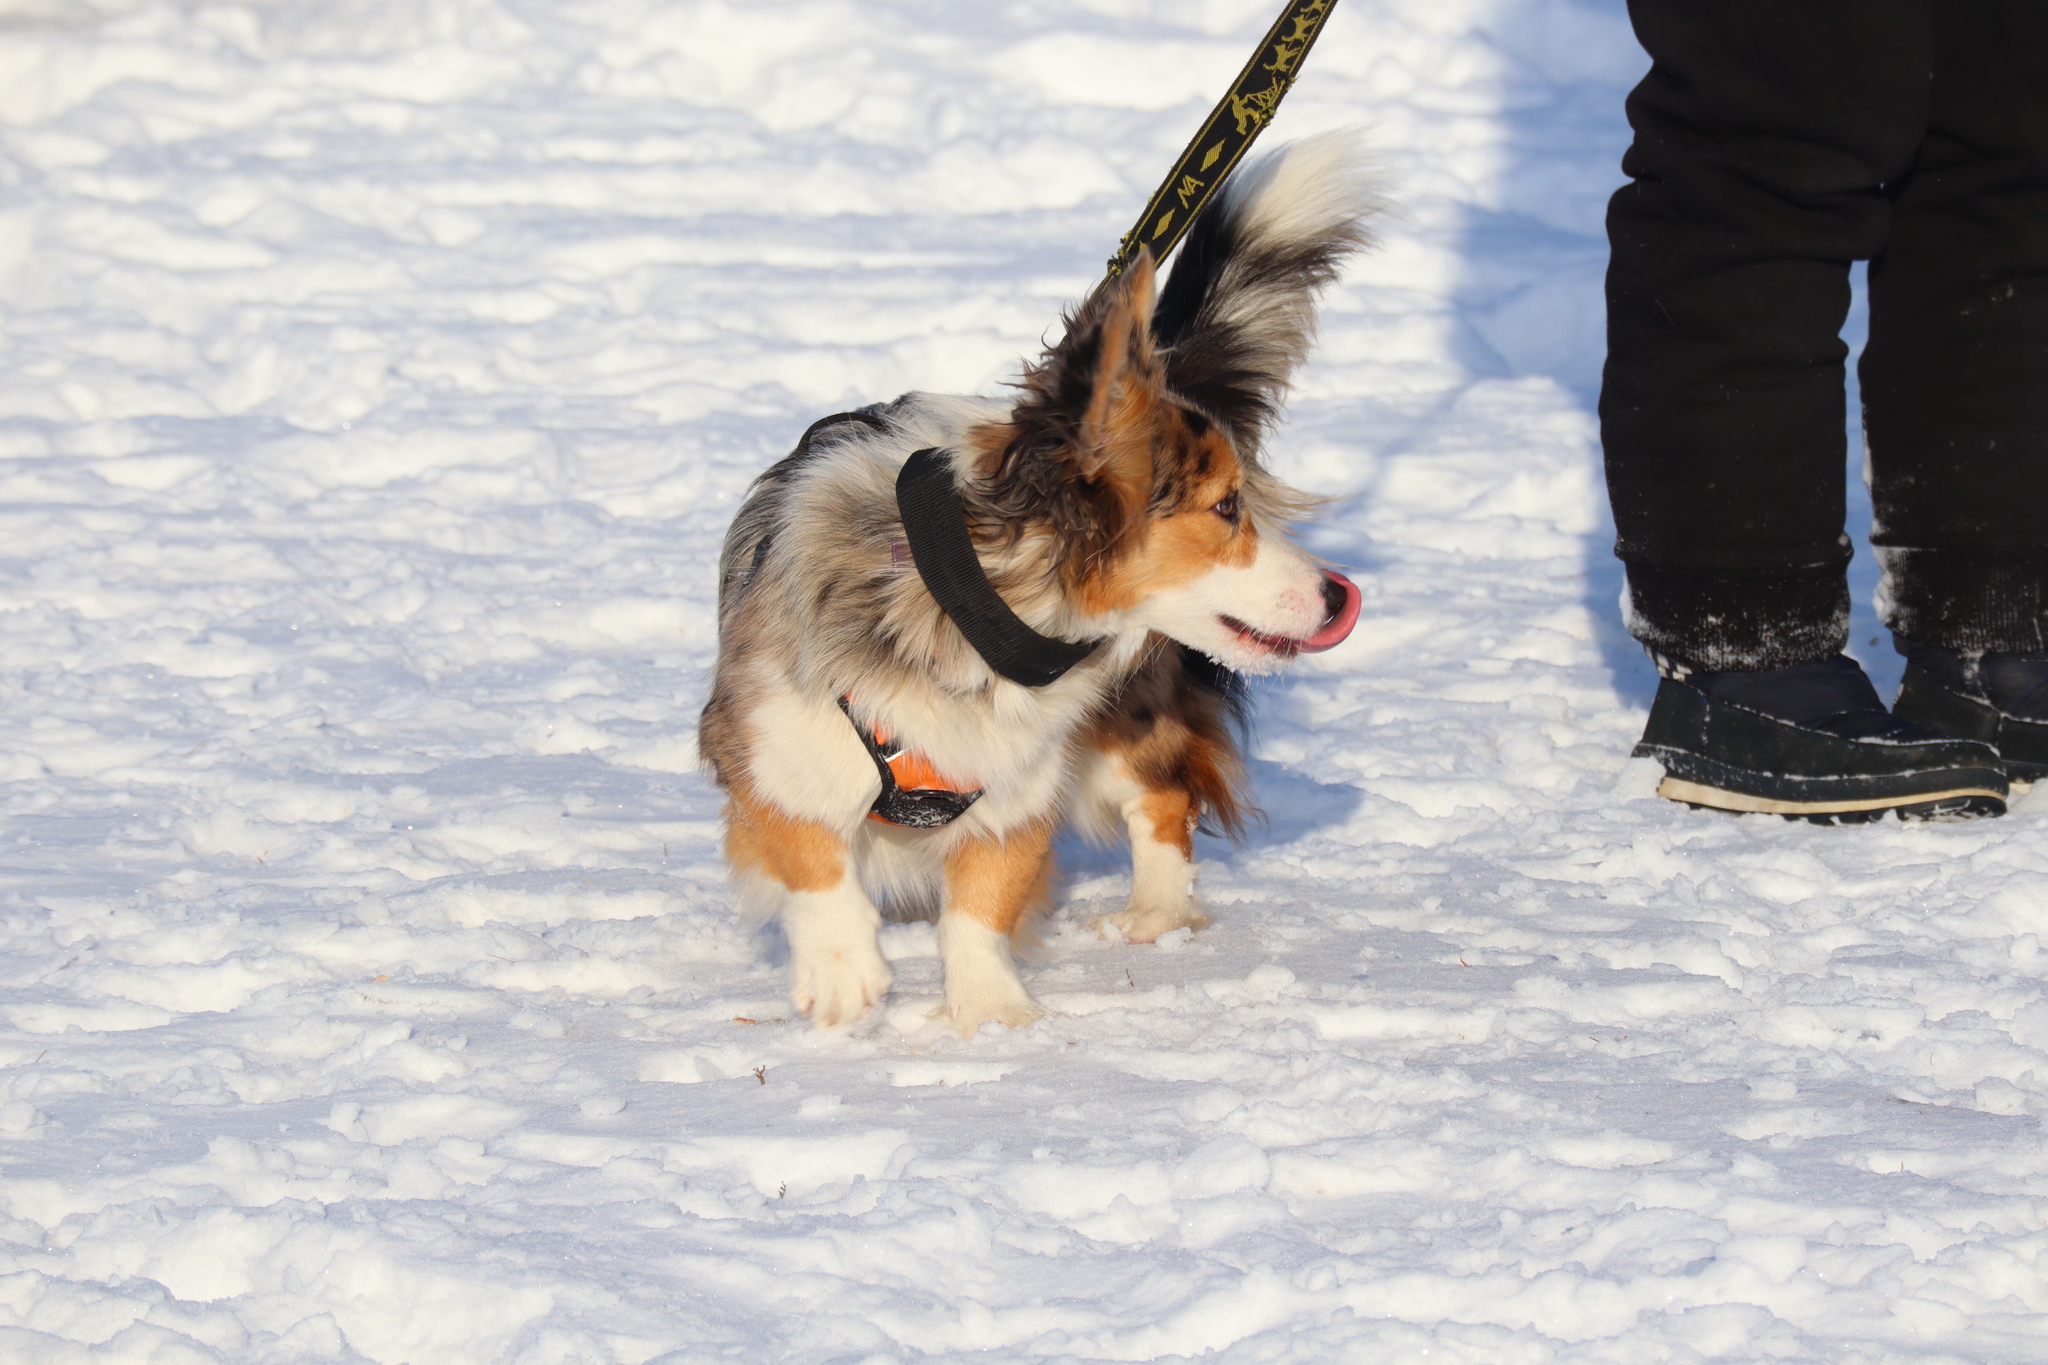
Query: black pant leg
point(1955, 379)
point(1762, 135)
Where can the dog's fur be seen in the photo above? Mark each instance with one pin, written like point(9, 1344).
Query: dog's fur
point(1120, 496)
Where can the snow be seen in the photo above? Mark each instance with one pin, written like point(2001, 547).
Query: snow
point(379, 377)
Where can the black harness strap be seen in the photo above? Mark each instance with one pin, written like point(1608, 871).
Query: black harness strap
point(935, 527)
point(911, 807)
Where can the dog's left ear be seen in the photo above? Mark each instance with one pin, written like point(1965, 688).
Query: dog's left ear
point(1077, 448)
point(1116, 431)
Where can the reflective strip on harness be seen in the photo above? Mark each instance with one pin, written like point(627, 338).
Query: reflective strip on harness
point(914, 794)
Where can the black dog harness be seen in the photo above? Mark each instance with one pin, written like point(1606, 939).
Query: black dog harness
point(914, 793)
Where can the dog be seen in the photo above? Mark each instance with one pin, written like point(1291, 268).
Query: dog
point(947, 625)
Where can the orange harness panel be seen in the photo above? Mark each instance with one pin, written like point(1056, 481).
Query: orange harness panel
point(915, 794)
point(914, 772)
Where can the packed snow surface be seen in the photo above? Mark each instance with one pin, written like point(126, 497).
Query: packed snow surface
point(379, 377)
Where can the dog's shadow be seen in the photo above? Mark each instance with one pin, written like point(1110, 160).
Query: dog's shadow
point(1294, 805)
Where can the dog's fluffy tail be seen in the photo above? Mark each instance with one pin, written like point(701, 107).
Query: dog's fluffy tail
point(1237, 314)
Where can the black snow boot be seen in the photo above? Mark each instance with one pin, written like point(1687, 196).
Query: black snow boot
point(1812, 742)
point(2001, 699)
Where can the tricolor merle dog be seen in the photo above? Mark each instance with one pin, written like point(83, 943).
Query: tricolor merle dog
point(947, 625)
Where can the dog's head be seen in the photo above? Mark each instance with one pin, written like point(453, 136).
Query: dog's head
point(1134, 446)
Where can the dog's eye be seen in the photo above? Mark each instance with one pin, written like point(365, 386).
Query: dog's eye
point(1227, 509)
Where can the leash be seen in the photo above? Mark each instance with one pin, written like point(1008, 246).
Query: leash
point(1229, 131)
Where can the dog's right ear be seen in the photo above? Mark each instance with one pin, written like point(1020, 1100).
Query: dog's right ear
point(1238, 312)
point(1077, 448)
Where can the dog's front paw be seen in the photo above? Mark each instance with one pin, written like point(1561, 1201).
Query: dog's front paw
point(967, 1011)
point(1145, 925)
point(837, 986)
point(981, 979)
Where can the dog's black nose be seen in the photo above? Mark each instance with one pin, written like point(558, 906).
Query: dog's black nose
point(1334, 597)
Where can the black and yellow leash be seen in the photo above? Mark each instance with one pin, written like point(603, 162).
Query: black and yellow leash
point(1227, 133)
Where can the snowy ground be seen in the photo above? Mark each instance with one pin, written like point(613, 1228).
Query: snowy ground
point(379, 375)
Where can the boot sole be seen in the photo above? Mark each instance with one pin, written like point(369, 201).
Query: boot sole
point(1958, 803)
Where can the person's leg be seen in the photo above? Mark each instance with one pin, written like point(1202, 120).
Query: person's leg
point(1955, 386)
point(1763, 132)
point(1955, 379)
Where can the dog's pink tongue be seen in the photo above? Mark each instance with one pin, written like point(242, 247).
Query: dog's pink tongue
point(1341, 620)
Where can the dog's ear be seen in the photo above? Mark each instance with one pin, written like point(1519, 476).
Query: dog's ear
point(1077, 448)
point(1237, 315)
point(1116, 431)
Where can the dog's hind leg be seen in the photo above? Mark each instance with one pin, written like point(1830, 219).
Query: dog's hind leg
point(1160, 759)
point(836, 971)
point(1159, 817)
point(1162, 827)
point(991, 884)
